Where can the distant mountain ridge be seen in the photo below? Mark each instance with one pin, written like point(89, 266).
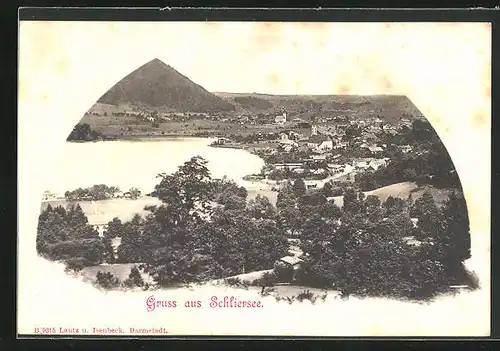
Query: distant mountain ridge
point(391, 107)
point(156, 84)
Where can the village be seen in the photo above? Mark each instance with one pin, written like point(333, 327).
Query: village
point(318, 151)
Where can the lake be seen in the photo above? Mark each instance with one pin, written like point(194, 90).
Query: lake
point(136, 163)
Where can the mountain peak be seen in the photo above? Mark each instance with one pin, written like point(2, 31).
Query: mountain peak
point(157, 61)
point(157, 84)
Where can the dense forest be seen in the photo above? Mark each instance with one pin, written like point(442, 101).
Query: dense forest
point(206, 229)
point(83, 132)
point(65, 235)
point(428, 163)
point(100, 192)
point(399, 248)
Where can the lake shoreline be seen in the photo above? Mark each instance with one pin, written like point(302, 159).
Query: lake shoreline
point(144, 137)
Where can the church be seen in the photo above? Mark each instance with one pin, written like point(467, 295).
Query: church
point(319, 142)
point(280, 119)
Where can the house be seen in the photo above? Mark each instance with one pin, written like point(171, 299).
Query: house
point(99, 221)
point(374, 148)
point(405, 148)
point(295, 251)
point(298, 170)
point(287, 147)
point(280, 119)
point(294, 135)
point(311, 184)
point(320, 142)
point(363, 163)
point(284, 140)
point(151, 119)
point(318, 157)
point(340, 145)
point(47, 195)
point(220, 141)
point(292, 261)
point(290, 166)
point(335, 167)
point(319, 171)
point(304, 125)
point(376, 163)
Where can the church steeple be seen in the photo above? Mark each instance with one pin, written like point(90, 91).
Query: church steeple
point(314, 130)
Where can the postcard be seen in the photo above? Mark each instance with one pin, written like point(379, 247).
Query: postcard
point(254, 178)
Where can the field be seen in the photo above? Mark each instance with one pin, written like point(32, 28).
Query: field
point(246, 277)
point(440, 195)
point(119, 270)
point(271, 195)
point(130, 127)
point(100, 212)
point(402, 191)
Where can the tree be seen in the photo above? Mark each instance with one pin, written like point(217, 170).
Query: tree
point(283, 272)
point(352, 132)
point(286, 197)
point(75, 216)
point(134, 193)
point(83, 132)
point(65, 235)
point(430, 219)
point(172, 227)
point(299, 187)
point(134, 278)
point(266, 244)
point(187, 188)
point(329, 190)
point(107, 280)
point(393, 206)
point(317, 228)
point(132, 248)
point(115, 229)
point(351, 201)
point(456, 242)
point(113, 190)
point(233, 202)
point(261, 208)
point(312, 202)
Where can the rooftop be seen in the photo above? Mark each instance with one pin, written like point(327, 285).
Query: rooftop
point(318, 139)
point(291, 260)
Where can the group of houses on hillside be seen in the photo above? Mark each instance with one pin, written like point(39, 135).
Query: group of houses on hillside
point(367, 163)
point(317, 165)
point(48, 196)
point(316, 142)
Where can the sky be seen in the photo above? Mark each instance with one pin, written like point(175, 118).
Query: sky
point(276, 58)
